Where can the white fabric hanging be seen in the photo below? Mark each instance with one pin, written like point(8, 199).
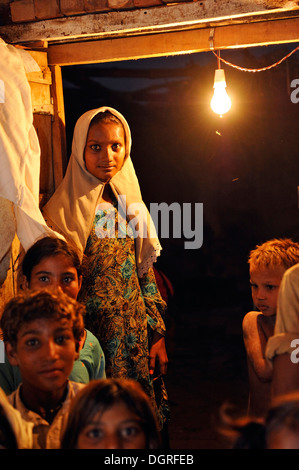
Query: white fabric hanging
point(19, 146)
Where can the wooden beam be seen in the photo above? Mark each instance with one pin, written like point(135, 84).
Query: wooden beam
point(43, 109)
point(59, 151)
point(182, 42)
point(44, 76)
point(161, 18)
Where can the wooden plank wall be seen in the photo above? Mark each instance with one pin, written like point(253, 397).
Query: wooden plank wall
point(49, 122)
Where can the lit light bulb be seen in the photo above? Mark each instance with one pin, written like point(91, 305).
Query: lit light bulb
point(221, 102)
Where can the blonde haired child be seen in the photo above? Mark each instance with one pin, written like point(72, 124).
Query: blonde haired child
point(267, 264)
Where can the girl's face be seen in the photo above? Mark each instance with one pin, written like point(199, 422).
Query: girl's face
point(56, 273)
point(105, 150)
point(115, 428)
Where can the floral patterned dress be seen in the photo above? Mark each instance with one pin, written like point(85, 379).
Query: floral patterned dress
point(122, 311)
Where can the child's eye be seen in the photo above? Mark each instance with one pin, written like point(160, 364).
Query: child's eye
point(270, 287)
point(32, 342)
point(43, 279)
point(130, 431)
point(253, 286)
point(95, 433)
point(116, 146)
point(95, 147)
point(62, 339)
point(68, 279)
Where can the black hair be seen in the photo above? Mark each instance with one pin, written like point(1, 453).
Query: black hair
point(46, 247)
point(100, 395)
point(106, 117)
point(27, 307)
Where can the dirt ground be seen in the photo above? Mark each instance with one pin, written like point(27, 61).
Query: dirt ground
point(207, 368)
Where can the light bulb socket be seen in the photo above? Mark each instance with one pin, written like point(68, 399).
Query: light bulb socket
point(219, 78)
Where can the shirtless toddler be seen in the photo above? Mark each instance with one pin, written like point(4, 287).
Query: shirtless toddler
point(267, 264)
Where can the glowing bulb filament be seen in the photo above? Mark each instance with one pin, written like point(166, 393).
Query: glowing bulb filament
point(221, 102)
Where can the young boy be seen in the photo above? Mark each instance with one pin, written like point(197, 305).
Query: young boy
point(41, 332)
point(267, 264)
point(51, 263)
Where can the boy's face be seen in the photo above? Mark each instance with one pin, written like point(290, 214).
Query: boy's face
point(264, 288)
point(45, 353)
point(105, 150)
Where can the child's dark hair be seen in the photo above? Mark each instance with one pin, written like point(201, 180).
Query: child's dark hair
point(46, 247)
point(25, 308)
point(100, 395)
point(105, 117)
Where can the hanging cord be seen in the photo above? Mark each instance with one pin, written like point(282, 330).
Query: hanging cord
point(244, 69)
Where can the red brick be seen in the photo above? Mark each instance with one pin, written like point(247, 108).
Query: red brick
point(95, 5)
point(46, 9)
point(22, 10)
point(72, 7)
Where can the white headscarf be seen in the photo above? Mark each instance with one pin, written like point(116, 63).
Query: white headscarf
point(19, 148)
point(71, 209)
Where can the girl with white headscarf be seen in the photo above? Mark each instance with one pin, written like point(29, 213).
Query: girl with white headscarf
point(99, 207)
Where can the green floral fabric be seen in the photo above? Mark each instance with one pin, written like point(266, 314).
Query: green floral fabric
point(122, 310)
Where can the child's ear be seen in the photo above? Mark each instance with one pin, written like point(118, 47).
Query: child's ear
point(11, 354)
point(80, 281)
point(77, 349)
point(24, 284)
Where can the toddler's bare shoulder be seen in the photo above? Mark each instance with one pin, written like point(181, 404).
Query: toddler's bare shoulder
point(250, 319)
